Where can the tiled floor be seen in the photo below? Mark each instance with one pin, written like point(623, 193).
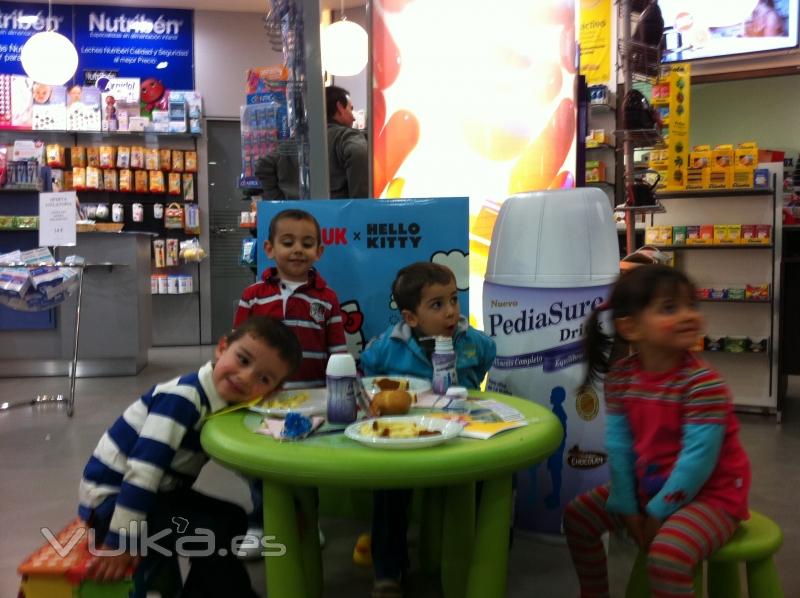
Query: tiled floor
point(43, 453)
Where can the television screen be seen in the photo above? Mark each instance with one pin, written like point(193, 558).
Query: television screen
point(696, 29)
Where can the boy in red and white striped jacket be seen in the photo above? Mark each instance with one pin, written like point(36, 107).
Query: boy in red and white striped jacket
point(295, 293)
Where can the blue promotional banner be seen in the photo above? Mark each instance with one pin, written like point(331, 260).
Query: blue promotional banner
point(367, 242)
point(136, 42)
point(21, 20)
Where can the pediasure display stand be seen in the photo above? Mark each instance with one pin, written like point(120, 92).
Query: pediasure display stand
point(553, 257)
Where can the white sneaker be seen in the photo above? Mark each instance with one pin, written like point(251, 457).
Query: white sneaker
point(321, 538)
point(251, 548)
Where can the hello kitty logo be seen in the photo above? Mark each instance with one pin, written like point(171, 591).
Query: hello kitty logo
point(353, 327)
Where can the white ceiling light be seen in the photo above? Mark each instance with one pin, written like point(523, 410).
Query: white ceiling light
point(345, 48)
point(48, 57)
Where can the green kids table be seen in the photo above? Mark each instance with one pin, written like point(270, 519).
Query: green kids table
point(473, 558)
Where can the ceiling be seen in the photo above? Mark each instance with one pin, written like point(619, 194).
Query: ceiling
point(226, 5)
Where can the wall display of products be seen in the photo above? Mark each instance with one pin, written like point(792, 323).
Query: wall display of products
point(723, 167)
point(265, 119)
point(708, 234)
point(121, 104)
point(737, 291)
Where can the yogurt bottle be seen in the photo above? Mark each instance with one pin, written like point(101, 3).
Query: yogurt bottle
point(342, 386)
point(553, 258)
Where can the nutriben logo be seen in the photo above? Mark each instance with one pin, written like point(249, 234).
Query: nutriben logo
point(390, 235)
point(137, 24)
point(530, 320)
point(11, 20)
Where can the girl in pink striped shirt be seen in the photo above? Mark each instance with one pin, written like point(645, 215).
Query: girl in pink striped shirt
point(679, 475)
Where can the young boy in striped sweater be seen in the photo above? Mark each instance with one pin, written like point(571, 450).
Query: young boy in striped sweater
point(138, 482)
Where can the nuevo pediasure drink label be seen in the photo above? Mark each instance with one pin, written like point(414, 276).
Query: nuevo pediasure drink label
point(539, 334)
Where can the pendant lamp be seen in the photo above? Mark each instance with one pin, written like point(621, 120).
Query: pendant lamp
point(48, 57)
point(345, 48)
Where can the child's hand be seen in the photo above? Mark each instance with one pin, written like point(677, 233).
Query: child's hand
point(635, 526)
point(650, 529)
point(111, 568)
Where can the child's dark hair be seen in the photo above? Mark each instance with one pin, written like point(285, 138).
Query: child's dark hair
point(275, 334)
point(292, 214)
point(409, 282)
point(632, 293)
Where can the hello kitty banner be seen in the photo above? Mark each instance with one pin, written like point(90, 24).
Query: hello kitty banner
point(367, 242)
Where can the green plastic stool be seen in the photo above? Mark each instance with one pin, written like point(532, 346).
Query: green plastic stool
point(754, 543)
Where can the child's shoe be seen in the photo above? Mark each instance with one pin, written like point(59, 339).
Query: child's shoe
point(387, 588)
point(362, 553)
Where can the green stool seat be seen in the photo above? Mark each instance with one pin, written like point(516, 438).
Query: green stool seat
point(757, 538)
point(754, 543)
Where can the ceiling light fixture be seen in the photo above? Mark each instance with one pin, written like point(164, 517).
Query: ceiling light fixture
point(48, 57)
point(345, 47)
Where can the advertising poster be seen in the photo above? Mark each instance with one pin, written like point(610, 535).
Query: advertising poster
point(486, 111)
point(16, 29)
point(539, 335)
point(678, 140)
point(595, 41)
point(697, 30)
point(367, 242)
point(136, 42)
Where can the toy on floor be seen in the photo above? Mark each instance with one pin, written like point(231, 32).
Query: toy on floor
point(48, 574)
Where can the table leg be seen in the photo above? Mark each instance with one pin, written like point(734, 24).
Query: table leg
point(309, 541)
point(487, 571)
point(285, 574)
point(430, 534)
point(458, 535)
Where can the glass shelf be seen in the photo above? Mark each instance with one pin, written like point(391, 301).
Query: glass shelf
point(641, 137)
point(654, 209)
point(104, 134)
point(722, 247)
point(700, 193)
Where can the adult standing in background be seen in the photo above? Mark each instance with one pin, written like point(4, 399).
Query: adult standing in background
point(348, 157)
point(348, 163)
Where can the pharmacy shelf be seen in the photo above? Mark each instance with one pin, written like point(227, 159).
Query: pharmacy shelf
point(701, 193)
point(706, 247)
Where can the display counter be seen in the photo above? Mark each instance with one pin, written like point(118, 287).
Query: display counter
point(116, 315)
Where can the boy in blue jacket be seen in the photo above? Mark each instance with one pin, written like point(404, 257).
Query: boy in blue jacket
point(427, 297)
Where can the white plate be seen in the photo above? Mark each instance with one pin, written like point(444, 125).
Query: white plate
point(316, 404)
point(448, 429)
point(415, 385)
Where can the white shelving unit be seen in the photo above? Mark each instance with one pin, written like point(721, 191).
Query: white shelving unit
point(752, 377)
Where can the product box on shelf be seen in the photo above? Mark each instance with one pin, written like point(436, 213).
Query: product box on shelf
point(658, 235)
point(120, 103)
point(702, 234)
point(21, 102)
point(721, 176)
point(757, 234)
point(697, 178)
point(679, 235)
point(83, 111)
point(743, 178)
point(727, 234)
point(49, 107)
point(761, 178)
point(746, 155)
point(595, 171)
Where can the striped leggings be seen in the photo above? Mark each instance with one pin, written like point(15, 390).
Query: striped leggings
point(685, 539)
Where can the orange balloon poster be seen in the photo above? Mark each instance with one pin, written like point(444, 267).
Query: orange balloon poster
point(473, 99)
